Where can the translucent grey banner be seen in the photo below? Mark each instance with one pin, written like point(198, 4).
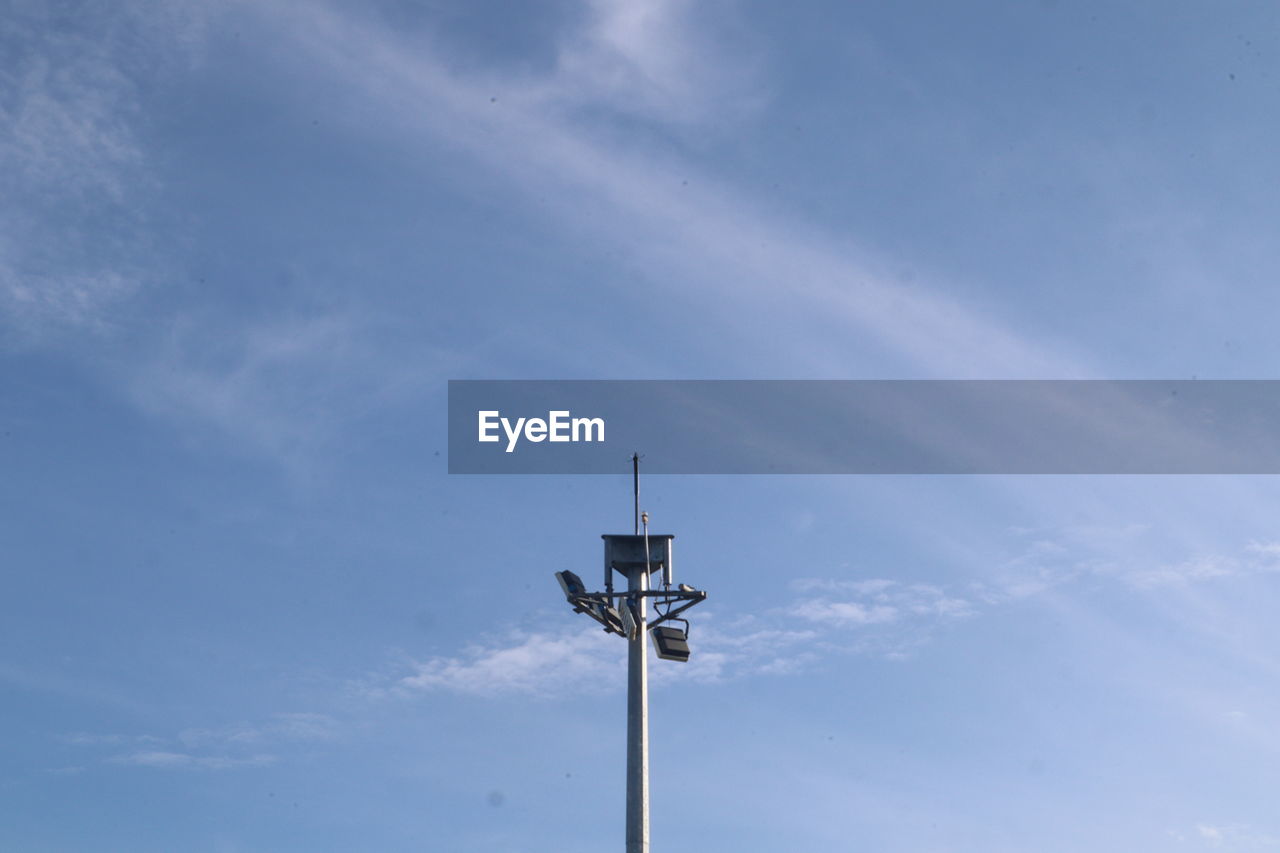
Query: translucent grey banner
point(865, 426)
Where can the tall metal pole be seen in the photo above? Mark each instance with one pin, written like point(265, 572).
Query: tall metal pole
point(638, 702)
point(635, 485)
point(638, 723)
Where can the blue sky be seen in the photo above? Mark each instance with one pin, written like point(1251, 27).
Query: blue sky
point(245, 245)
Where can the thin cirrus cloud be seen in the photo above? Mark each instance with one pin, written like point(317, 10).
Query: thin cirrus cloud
point(549, 137)
point(876, 601)
point(1207, 835)
point(1257, 558)
point(225, 748)
point(162, 760)
point(547, 664)
point(538, 663)
point(649, 60)
point(699, 233)
point(267, 384)
point(74, 169)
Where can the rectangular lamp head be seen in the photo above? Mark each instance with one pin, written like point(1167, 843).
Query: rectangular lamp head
point(670, 643)
point(571, 584)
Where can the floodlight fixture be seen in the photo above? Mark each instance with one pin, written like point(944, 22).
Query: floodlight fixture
point(596, 606)
point(572, 585)
point(671, 643)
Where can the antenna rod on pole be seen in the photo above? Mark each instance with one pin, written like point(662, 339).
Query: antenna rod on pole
point(635, 482)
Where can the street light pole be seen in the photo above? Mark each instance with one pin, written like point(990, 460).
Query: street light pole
point(638, 557)
point(638, 720)
point(638, 697)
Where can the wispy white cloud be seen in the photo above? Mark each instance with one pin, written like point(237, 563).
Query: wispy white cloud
point(1264, 555)
point(68, 770)
point(693, 231)
point(740, 648)
point(37, 300)
point(877, 601)
point(163, 760)
point(301, 725)
point(95, 739)
point(1228, 836)
point(282, 386)
point(650, 59)
point(845, 612)
point(537, 663)
point(297, 726)
point(1204, 567)
point(579, 659)
point(279, 384)
point(1121, 554)
point(1058, 562)
point(224, 748)
point(68, 108)
point(269, 384)
point(72, 163)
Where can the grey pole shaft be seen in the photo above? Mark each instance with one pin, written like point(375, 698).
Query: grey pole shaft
point(638, 722)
